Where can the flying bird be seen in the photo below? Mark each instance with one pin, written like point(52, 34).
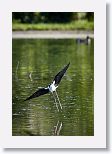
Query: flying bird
point(51, 87)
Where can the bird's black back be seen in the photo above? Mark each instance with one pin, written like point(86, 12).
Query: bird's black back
point(59, 76)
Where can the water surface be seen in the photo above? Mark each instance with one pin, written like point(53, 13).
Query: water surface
point(35, 63)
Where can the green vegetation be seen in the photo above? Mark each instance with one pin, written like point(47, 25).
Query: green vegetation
point(52, 21)
point(78, 25)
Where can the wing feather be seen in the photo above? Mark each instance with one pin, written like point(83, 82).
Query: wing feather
point(59, 76)
point(38, 93)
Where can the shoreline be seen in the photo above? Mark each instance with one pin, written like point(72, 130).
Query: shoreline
point(52, 34)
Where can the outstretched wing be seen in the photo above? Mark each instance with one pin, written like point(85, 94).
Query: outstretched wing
point(58, 77)
point(38, 93)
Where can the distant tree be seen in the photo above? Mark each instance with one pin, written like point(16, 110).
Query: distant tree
point(56, 17)
point(81, 15)
point(23, 17)
point(51, 17)
point(90, 16)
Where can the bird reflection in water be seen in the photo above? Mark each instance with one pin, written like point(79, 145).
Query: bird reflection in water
point(58, 128)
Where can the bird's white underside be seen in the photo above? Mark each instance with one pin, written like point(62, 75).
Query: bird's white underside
point(52, 87)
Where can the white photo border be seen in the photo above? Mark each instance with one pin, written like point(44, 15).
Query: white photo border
point(99, 138)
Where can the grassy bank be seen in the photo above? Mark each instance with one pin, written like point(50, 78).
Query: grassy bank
point(78, 25)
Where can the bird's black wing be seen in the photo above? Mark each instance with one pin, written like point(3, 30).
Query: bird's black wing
point(58, 77)
point(38, 93)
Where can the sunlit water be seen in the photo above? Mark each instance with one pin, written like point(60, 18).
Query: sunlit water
point(35, 63)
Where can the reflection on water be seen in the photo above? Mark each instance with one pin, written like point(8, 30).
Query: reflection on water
point(35, 63)
point(58, 128)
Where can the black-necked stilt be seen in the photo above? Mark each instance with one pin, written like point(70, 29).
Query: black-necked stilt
point(87, 40)
point(51, 87)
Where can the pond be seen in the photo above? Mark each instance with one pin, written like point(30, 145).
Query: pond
point(35, 62)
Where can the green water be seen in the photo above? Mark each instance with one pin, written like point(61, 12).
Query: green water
point(35, 62)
